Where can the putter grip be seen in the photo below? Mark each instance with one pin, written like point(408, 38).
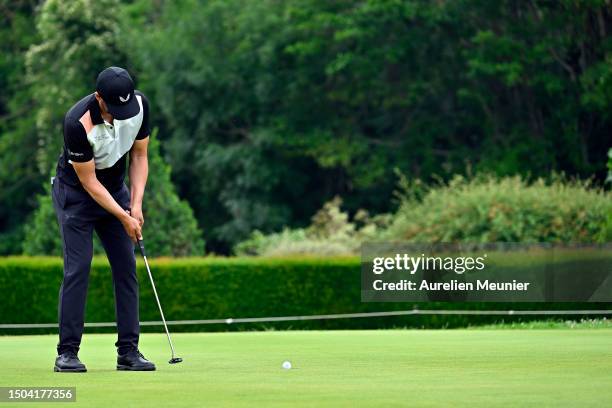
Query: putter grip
point(141, 247)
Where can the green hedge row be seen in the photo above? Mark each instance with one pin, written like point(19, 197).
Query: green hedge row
point(213, 288)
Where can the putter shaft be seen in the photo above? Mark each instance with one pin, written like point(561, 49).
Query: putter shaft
point(161, 312)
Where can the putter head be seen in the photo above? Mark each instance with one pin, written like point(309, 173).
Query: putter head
point(175, 360)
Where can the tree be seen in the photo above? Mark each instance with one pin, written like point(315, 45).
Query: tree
point(170, 227)
point(227, 164)
point(268, 109)
point(79, 39)
point(272, 108)
point(18, 181)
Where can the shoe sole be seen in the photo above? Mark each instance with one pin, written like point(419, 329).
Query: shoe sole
point(121, 367)
point(69, 370)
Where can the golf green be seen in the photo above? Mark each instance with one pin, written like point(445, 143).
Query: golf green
point(444, 368)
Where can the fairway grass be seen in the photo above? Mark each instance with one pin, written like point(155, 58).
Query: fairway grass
point(421, 368)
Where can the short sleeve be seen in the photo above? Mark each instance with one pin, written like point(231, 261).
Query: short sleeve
point(144, 127)
point(76, 143)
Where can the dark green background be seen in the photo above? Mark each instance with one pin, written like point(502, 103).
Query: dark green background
point(267, 109)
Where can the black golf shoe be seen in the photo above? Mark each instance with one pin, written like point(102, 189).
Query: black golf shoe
point(68, 362)
point(134, 361)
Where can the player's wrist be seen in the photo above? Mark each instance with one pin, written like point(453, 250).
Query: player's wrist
point(123, 217)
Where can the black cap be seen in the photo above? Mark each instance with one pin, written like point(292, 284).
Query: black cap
point(116, 88)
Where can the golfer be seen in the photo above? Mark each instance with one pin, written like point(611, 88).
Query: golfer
point(100, 132)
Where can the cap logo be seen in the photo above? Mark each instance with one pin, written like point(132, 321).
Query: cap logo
point(127, 98)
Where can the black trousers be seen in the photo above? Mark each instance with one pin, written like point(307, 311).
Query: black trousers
point(78, 216)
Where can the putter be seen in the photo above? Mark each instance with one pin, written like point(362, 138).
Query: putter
point(174, 359)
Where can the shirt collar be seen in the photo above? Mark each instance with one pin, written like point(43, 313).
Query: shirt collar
point(94, 110)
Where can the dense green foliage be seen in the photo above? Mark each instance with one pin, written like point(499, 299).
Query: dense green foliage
point(170, 228)
point(217, 288)
point(42, 233)
point(482, 209)
point(269, 109)
point(331, 233)
point(278, 106)
point(78, 38)
point(19, 180)
point(488, 209)
point(75, 39)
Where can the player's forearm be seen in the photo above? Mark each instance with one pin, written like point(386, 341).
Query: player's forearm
point(139, 171)
point(101, 195)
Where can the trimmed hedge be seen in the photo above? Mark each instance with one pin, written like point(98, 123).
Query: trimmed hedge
point(213, 288)
point(190, 288)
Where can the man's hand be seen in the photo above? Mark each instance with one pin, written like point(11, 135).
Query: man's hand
point(136, 212)
point(87, 175)
point(132, 227)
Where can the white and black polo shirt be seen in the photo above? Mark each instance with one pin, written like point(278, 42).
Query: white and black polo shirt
point(88, 136)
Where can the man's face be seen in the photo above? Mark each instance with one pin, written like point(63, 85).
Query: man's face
point(102, 104)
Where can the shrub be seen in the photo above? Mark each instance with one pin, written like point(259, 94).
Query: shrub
point(481, 209)
point(490, 209)
point(331, 233)
point(189, 288)
point(42, 234)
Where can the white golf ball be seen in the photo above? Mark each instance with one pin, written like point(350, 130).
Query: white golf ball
point(287, 365)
